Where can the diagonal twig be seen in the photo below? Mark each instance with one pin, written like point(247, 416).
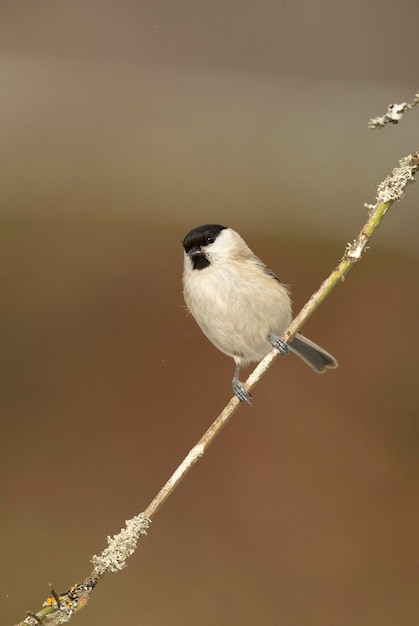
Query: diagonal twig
point(60, 608)
point(394, 113)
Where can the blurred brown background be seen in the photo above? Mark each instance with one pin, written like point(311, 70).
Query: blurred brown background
point(123, 125)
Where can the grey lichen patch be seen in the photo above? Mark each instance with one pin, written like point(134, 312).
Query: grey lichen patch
point(121, 546)
point(394, 113)
point(394, 186)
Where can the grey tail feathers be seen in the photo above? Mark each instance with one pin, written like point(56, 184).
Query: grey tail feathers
point(312, 354)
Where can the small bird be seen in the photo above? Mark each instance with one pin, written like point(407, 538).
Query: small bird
point(239, 304)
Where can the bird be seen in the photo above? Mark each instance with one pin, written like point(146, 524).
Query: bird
point(239, 303)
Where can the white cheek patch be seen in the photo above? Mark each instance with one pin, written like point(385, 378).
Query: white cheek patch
point(222, 247)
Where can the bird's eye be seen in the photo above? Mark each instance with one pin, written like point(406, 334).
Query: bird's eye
point(210, 239)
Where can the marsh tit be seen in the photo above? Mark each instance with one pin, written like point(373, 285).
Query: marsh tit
point(239, 304)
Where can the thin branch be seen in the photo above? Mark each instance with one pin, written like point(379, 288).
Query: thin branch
point(60, 607)
point(393, 114)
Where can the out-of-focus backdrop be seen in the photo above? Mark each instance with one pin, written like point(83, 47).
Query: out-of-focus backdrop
point(123, 125)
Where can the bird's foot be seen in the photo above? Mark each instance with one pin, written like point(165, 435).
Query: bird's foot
point(240, 392)
point(279, 344)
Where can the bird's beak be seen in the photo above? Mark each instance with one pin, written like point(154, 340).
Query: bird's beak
point(195, 251)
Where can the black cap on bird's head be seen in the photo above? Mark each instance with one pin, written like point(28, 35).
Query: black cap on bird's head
point(197, 241)
point(201, 236)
